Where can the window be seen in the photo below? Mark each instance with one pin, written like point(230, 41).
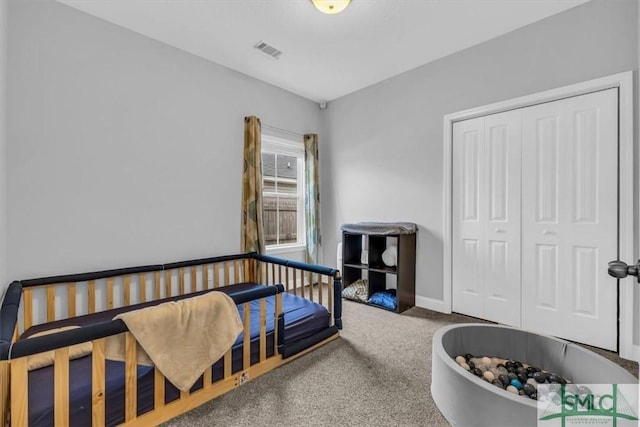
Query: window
point(282, 192)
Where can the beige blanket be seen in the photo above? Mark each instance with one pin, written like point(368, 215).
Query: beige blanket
point(182, 338)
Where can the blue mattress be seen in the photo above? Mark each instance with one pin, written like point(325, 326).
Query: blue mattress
point(303, 318)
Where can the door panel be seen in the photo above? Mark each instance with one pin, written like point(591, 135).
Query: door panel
point(585, 287)
point(569, 218)
point(546, 149)
point(545, 286)
point(468, 284)
point(502, 217)
point(486, 217)
point(471, 150)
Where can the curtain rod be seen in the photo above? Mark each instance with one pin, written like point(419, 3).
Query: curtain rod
point(277, 129)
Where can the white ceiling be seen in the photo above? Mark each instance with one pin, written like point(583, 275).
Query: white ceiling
point(324, 56)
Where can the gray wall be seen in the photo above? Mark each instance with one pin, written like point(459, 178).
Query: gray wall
point(383, 145)
point(636, 300)
point(122, 150)
point(3, 144)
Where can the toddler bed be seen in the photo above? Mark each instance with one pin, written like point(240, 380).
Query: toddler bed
point(287, 309)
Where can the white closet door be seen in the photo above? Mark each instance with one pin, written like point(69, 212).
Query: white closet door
point(569, 218)
point(468, 226)
point(486, 222)
point(502, 212)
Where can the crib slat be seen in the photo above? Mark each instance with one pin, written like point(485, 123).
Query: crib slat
point(263, 329)
point(142, 285)
point(156, 285)
point(304, 279)
point(61, 387)
point(71, 297)
point(206, 377)
point(226, 273)
point(265, 272)
point(320, 288)
point(205, 276)
point(127, 290)
point(109, 293)
point(302, 282)
point(257, 271)
point(227, 364)
point(278, 310)
point(246, 344)
point(28, 308)
point(51, 303)
point(181, 282)
point(98, 383)
point(273, 274)
point(295, 281)
point(216, 275)
point(5, 389)
point(92, 296)
point(236, 272)
point(330, 293)
point(167, 283)
point(158, 389)
point(279, 274)
point(19, 392)
point(131, 377)
point(194, 281)
point(261, 272)
point(247, 271)
point(286, 278)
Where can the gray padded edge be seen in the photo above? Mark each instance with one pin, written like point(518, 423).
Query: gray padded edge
point(380, 228)
point(466, 400)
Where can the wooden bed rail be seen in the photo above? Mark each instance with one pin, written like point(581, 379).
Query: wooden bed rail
point(313, 282)
point(31, 302)
point(56, 298)
point(162, 410)
point(49, 299)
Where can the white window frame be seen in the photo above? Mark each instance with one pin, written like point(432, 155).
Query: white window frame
point(273, 144)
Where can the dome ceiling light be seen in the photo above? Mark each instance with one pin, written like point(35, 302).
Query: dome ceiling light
point(331, 7)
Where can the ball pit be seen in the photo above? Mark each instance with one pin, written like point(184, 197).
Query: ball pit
point(467, 398)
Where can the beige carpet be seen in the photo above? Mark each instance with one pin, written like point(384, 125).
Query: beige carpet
point(377, 374)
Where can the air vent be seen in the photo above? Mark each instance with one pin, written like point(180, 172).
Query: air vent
point(267, 49)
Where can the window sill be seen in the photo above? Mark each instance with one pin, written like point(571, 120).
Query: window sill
point(279, 250)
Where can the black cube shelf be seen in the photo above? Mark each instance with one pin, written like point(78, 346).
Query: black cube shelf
point(376, 236)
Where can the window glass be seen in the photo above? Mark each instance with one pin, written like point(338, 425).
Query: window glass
point(282, 194)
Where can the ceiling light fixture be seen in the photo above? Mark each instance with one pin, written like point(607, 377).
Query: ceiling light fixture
point(331, 7)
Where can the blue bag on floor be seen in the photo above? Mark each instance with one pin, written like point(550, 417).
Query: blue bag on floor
point(386, 299)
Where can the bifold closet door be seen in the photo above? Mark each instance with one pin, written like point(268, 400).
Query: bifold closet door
point(486, 217)
point(569, 218)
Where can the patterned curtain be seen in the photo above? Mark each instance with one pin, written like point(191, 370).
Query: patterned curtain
point(312, 198)
point(252, 233)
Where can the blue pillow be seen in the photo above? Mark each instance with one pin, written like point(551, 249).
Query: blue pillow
point(386, 299)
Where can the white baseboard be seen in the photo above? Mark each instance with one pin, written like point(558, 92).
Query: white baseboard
point(431, 304)
point(636, 353)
